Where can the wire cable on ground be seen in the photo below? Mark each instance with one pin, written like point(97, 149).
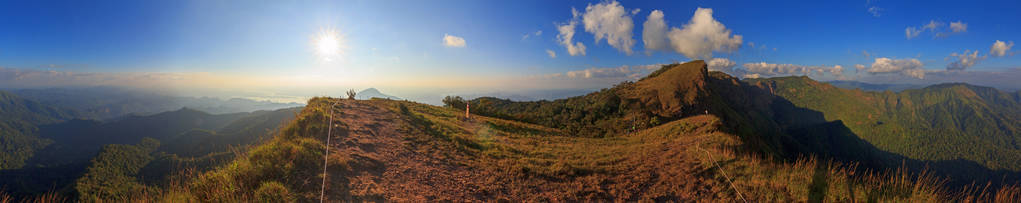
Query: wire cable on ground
point(326, 156)
point(723, 172)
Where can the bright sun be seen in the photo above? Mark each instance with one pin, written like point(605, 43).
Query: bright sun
point(328, 45)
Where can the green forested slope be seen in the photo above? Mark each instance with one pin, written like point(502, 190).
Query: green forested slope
point(940, 122)
point(19, 120)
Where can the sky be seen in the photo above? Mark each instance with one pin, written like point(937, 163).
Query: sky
point(423, 50)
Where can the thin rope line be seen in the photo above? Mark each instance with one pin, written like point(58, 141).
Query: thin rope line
point(329, 130)
point(723, 172)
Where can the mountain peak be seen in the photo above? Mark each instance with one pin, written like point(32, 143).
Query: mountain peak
point(373, 93)
point(672, 90)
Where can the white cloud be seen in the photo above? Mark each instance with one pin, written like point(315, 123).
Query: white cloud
point(720, 64)
point(912, 32)
point(622, 72)
point(875, 11)
point(654, 32)
point(964, 61)
point(566, 36)
point(770, 69)
point(937, 28)
point(453, 41)
point(610, 21)
point(958, 26)
point(551, 53)
point(1000, 48)
point(837, 70)
point(698, 39)
point(527, 35)
point(906, 67)
point(933, 25)
point(703, 35)
point(858, 68)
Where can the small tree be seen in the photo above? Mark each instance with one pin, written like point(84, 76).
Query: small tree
point(454, 102)
point(351, 94)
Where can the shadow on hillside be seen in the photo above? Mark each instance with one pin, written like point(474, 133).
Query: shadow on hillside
point(802, 132)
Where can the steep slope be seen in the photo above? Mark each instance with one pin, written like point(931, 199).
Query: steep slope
point(19, 121)
point(403, 151)
point(192, 141)
point(938, 123)
point(79, 140)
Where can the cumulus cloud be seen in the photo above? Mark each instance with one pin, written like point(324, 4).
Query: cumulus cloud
point(1000, 48)
point(906, 67)
point(937, 28)
point(963, 61)
point(610, 21)
point(453, 41)
point(720, 64)
point(566, 36)
point(654, 32)
point(551, 53)
point(698, 39)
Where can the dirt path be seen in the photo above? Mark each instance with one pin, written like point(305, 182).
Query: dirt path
point(376, 136)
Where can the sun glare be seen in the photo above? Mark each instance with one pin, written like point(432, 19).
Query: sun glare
point(328, 45)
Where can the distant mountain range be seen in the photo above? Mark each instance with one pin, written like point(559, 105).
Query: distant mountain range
point(846, 84)
point(110, 102)
point(373, 93)
point(45, 147)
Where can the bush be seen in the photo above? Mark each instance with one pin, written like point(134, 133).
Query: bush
point(454, 102)
point(351, 94)
point(273, 191)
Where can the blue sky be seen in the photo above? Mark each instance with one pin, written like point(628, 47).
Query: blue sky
point(399, 44)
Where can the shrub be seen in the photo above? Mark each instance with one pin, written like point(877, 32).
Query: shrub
point(351, 94)
point(272, 191)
